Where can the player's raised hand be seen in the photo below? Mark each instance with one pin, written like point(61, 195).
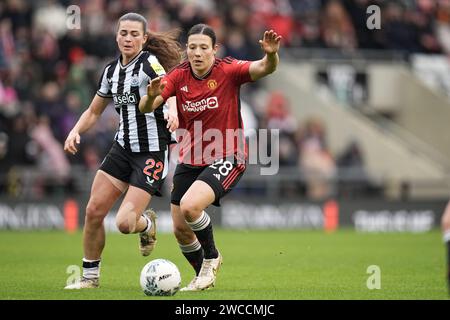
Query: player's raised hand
point(270, 42)
point(155, 87)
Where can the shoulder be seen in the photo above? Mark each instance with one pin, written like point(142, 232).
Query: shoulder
point(233, 61)
point(151, 65)
point(229, 63)
point(111, 64)
point(149, 57)
point(182, 67)
point(223, 65)
point(227, 60)
point(108, 69)
point(179, 69)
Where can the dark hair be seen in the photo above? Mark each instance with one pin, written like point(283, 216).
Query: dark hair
point(164, 45)
point(202, 28)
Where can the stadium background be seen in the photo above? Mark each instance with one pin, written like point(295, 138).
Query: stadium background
point(362, 114)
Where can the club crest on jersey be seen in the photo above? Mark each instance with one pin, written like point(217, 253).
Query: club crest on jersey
point(126, 98)
point(212, 84)
point(135, 81)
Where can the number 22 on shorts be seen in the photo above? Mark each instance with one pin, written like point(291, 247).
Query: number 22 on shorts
point(152, 168)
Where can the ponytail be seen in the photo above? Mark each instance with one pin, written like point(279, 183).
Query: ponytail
point(165, 46)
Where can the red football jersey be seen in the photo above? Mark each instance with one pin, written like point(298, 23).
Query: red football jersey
point(210, 123)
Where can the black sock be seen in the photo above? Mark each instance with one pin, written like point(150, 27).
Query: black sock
point(204, 232)
point(206, 239)
point(194, 254)
point(195, 258)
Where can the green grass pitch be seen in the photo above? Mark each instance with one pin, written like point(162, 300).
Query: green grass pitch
point(266, 265)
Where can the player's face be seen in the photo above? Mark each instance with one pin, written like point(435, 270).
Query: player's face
point(201, 53)
point(130, 38)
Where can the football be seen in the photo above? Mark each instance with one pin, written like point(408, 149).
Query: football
point(160, 277)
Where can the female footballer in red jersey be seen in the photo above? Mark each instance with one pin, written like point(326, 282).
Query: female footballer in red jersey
point(207, 94)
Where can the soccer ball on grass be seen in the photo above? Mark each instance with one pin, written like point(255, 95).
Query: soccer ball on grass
point(160, 277)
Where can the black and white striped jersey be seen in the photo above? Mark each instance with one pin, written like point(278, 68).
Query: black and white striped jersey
point(137, 132)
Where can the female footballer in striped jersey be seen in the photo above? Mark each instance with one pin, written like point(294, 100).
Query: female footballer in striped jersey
point(137, 162)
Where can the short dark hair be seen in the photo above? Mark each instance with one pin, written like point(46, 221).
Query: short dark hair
point(202, 28)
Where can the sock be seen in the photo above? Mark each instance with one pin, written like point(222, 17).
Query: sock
point(194, 254)
point(202, 228)
point(447, 242)
point(149, 224)
point(91, 268)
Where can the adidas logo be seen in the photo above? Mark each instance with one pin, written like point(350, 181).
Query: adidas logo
point(217, 176)
point(185, 89)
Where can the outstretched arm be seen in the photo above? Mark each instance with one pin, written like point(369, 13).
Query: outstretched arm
point(86, 121)
point(270, 44)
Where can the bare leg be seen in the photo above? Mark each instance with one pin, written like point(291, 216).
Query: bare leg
point(199, 196)
point(181, 229)
point(103, 196)
point(129, 218)
point(192, 206)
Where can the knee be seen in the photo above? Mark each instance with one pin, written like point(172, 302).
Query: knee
point(189, 210)
point(123, 227)
point(94, 212)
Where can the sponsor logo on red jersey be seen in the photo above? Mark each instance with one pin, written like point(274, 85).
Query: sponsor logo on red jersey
point(202, 105)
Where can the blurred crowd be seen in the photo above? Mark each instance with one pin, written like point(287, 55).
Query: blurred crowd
point(49, 72)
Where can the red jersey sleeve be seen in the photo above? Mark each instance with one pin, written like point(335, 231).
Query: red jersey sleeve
point(169, 89)
point(240, 69)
